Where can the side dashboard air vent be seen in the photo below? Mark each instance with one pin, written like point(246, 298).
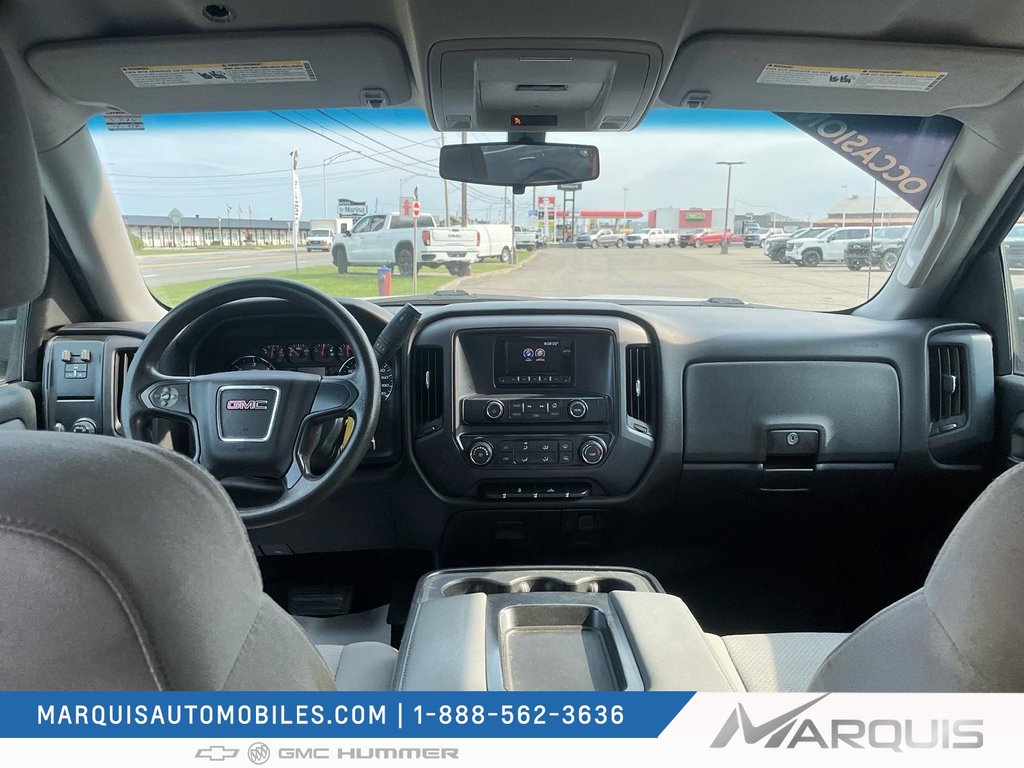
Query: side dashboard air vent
point(640, 386)
point(947, 386)
point(122, 361)
point(427, 390)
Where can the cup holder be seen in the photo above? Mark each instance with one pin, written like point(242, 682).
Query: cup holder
point(474, 586)
point(535, 584)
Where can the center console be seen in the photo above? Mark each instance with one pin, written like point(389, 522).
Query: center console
point(534, 408)
point(553, 629)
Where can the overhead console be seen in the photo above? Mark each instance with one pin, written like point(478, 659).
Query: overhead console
point(533, 409)
point(523, 85)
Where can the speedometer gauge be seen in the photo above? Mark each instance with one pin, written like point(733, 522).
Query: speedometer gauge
point(323, 352)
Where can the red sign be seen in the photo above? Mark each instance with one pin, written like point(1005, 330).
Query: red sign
point(415, 209)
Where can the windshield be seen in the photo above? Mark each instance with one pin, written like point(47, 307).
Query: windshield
point(207, 198)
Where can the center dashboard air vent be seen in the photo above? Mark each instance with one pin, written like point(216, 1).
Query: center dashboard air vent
point(640, 387)
point(122, 362)
point(427, 390)
point(947, 386)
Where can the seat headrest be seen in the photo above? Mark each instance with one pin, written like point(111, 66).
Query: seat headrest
point(24, 251)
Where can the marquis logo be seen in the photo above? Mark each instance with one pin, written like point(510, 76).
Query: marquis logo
point(789, 731)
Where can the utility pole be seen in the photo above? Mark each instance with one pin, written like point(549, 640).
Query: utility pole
point(728, 189)
point(515, 252)
point(504, 207)
point(447, 213)
point(465, 196)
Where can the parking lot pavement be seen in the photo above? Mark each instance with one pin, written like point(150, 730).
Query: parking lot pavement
point(164, 269)
point(697, 273)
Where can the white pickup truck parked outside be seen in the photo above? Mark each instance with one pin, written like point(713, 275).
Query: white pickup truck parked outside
point(386, 239)
point(645, 237)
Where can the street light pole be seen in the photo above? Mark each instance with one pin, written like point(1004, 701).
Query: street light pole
point(846, 195)
point(327, 161)
point(728, 190)
point(625, 191)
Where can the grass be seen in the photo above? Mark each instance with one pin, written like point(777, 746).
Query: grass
point(360, 281)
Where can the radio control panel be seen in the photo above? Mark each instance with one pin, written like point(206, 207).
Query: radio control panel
point(553, 410)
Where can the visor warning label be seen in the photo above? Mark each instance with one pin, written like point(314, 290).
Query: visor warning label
point(240, 73)
point(850, 77)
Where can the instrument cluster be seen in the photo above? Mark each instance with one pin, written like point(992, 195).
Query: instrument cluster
point(326, 358)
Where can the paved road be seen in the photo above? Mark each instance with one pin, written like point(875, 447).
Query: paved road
point(682, 272)
point(196, 265)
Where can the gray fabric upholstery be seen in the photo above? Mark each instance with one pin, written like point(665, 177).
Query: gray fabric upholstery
point(783, 662)
point(361, 666)
point(125, 565)
point(23, 257)
point(963, 631)
point(670, 648)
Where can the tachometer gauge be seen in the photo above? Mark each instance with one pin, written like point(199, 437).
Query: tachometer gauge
point(343, 354)
point(272, 352)
point(387, 381)
point(251, 363)
point(297, 353)
point(323, 352)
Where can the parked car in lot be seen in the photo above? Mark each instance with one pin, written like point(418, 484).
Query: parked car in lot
point(1013, 247)
point(774, 246)
point(645, 237)
point(688, 237)
point(881, 250)
point(527, 238)
point(386, 239)
point(319, 240)
point(829, 246)
point(754, 237)
point(710, 238)
point(605, 238)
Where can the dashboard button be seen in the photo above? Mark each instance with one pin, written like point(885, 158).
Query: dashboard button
point(546, 458)
point(592, 451)
point(545, 446)
point(577, 409)
point(506, 446)
point(520, 491)
point(565, 458)
point(494, 410)
point(481, 453)
point(506, 459)
point(565, 445)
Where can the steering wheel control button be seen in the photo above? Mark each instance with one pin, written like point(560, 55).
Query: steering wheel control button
point(172, 397)
point(494, 410)
point(577, 409)
point(165, 396)
point(245, 414)
point(84, 426)
point(481, 453)
point(593, 451)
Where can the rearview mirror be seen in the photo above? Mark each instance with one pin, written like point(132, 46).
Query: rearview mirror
point(511, 165)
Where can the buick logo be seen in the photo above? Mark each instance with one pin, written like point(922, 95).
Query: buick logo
point(259, 753)
point(246, 405)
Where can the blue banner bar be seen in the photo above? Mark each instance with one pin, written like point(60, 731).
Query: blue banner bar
point(335, 715)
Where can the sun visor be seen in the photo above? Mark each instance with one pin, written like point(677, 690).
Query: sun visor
point(800, 74)
point(529, 85)
point(227, 72)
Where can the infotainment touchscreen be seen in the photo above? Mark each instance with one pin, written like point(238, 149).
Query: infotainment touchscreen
point(547, 356)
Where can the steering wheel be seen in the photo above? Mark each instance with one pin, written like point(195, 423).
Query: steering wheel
point(260, 424)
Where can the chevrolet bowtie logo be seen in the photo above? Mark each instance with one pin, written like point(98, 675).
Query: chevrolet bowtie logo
point(216, 753)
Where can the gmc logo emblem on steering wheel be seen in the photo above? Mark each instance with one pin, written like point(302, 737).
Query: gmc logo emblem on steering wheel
point(246, 405)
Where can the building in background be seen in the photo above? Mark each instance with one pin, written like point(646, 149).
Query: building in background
point(199, 231)
point(856, 211)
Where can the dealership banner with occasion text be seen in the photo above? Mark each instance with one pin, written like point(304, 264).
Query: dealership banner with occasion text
point(627, 730)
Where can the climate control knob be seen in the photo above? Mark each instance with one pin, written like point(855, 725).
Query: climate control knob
point(592, 451)
point(481, 452)
point(494, 410)
point(577, 409)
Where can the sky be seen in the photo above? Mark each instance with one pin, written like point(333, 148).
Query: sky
point(204, 164)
